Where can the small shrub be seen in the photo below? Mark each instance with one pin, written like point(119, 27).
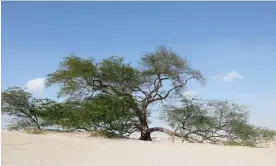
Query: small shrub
point(33, 131)
point(241, 143)
point(105, 134)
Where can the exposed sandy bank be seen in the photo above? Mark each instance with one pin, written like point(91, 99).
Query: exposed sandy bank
point(59, 149)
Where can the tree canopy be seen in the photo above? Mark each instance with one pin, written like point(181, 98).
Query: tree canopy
point(22, 107)
point(83, 78)
point(114, 97)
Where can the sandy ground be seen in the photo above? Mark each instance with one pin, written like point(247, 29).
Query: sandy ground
point(79, 150)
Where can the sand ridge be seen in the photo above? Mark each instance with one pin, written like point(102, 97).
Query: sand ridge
point(58, 149)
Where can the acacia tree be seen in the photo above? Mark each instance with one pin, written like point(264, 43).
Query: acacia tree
point(25, 110)
point(108, 114)
point(82, 78)
point(215, 122)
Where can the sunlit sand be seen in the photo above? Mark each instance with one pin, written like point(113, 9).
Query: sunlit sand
point(77, 149)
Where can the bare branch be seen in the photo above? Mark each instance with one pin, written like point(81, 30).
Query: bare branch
point(169, 91)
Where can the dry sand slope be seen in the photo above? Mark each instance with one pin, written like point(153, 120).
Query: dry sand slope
point(79, 150)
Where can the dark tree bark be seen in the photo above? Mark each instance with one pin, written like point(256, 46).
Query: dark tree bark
point(145, 135)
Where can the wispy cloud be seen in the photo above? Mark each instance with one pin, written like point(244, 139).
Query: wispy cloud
point(231, 76)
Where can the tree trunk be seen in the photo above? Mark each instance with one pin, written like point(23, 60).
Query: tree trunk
point(145, 136)
point(146, 131)
point(37, 125)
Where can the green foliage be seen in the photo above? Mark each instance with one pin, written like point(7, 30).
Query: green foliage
point(106, 134)
point(266, 133)
point(66, 115)
point(33, 131)
point(119, 74)
point(73, 74)
point(20, 105)
point(191, 115)
point(100, 113)
point(164, 62)
point(112, 113)
point(111, 98)
point(248, 143)
point(216, 122)
point(19, 124)
point(252, 136)
point(81, 79)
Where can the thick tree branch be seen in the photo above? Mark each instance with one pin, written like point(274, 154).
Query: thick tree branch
point(161, 129)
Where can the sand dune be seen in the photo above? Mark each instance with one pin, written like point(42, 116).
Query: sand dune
point(56, 149)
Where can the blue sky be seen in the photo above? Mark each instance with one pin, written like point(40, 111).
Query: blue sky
point(232, 43)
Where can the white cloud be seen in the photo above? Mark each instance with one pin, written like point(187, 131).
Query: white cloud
point(35, 86)
point(233, 75)
point(190, 93)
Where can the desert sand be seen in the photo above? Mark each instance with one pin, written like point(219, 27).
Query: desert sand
point(59, 149)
